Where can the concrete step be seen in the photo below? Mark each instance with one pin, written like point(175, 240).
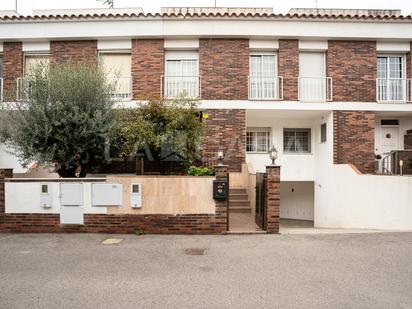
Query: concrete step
point(237, 191)
point(239, 203)
point(238, 196)
point(239, 209)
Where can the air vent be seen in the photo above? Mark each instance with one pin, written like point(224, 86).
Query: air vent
point(389, 122)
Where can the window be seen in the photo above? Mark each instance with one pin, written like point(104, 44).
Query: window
point(323, 133)
point(391, 85)
point(118, 67)
point(257, 139)
point(33, 60)
point(263, 80)
point(182, 74)
point(296, 140)
point(313, 83)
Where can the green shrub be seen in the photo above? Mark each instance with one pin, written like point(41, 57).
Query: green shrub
point(200, 171)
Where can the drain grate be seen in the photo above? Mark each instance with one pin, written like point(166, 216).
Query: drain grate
point(194, 251)
point(112, 241)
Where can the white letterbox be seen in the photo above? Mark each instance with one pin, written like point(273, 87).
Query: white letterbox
point(136, 195)
point(46, 200)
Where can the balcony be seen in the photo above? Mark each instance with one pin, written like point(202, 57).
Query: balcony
point(265, 88)
point(181, 87)
point(393, 90)
point(315, 89)
point(122, 88)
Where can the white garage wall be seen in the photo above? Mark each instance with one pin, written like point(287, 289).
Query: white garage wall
point(297, 200)
point(346, 199)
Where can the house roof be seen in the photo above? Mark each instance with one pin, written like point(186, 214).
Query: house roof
point(170, 13)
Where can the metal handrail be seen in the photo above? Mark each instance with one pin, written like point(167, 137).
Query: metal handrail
point(393, 90)
point(181, 86)
point(315, 89)
point(265, 87)
point(387, 163)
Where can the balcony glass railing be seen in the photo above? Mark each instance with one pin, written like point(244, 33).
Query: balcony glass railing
point(315, 89)
point(393, 90)
point(181, 86)
point(265, 88)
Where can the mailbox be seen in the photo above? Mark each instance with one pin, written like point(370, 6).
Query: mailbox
point(220, 189)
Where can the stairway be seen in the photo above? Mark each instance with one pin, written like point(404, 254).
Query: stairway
point(239, 201)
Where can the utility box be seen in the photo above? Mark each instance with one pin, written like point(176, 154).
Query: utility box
point(107, 194)
point(220, 189)
point(136, 195)
point(46, 199)
point(71, 203)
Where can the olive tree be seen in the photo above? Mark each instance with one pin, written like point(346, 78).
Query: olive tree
point(164, 129)
point(63, 115)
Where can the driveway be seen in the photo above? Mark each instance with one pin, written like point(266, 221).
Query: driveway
point(236, 271)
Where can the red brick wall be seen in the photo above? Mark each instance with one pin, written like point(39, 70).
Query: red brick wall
point(76, 51)
point(352, 66)
point(409, 62)
point(12, 65)
point(224, 68)
point(353, 139)
point(273, 199)
point(288, 62)
point(147, 68)
point(226, 129)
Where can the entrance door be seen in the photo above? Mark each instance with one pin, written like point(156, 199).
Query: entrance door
point(389, 139)
point(260, 211)
point(71, 203)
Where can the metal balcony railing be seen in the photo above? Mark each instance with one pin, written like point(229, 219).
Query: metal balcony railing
point(315, 89)
point(393, 90)
point(22, 88)
point(181, 86)
point(265, 88)
point(123, 88)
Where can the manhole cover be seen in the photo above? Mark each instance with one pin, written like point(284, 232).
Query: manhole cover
point(194, 251)
point(112, 241)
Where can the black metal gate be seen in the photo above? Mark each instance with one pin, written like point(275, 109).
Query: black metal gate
point(260, 211)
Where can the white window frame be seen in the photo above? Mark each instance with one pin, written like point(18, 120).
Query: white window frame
point(305, 152)
point(264, 53)
point(32, 54)
point(256, 130)
point(325, 125)
point(403, 75)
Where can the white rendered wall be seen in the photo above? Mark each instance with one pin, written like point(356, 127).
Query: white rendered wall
point(405, 123)
point(346, 199)
point(7, 160)
point(297, 200)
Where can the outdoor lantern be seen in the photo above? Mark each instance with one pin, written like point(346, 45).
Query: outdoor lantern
point(220, 156)
point(273, 154)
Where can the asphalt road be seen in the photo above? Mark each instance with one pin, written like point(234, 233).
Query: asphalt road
point(255, 271)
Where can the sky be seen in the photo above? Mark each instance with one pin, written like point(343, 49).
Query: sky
point(25, 7)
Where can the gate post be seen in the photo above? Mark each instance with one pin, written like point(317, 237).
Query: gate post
point(272, 198)
point(222, 206)
point(4, 173)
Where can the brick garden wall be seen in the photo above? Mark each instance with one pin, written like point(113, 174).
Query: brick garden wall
point(147, 68)
point(224, 68)
point(273, 199)
point(226, 129)
point(353, 139)
point(288, 58)
point(12, 65)
point(76, 51)
point(352, 66)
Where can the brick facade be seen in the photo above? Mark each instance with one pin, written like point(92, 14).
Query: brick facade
point(353, 139)
point(352, 66)
point(272, 198)
point(76, 51)
point(123, 223)
point(12, 65)
point(148, 59)
point(224, 68)
point(409, 62)
point(226, 130)
point(288, 62)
